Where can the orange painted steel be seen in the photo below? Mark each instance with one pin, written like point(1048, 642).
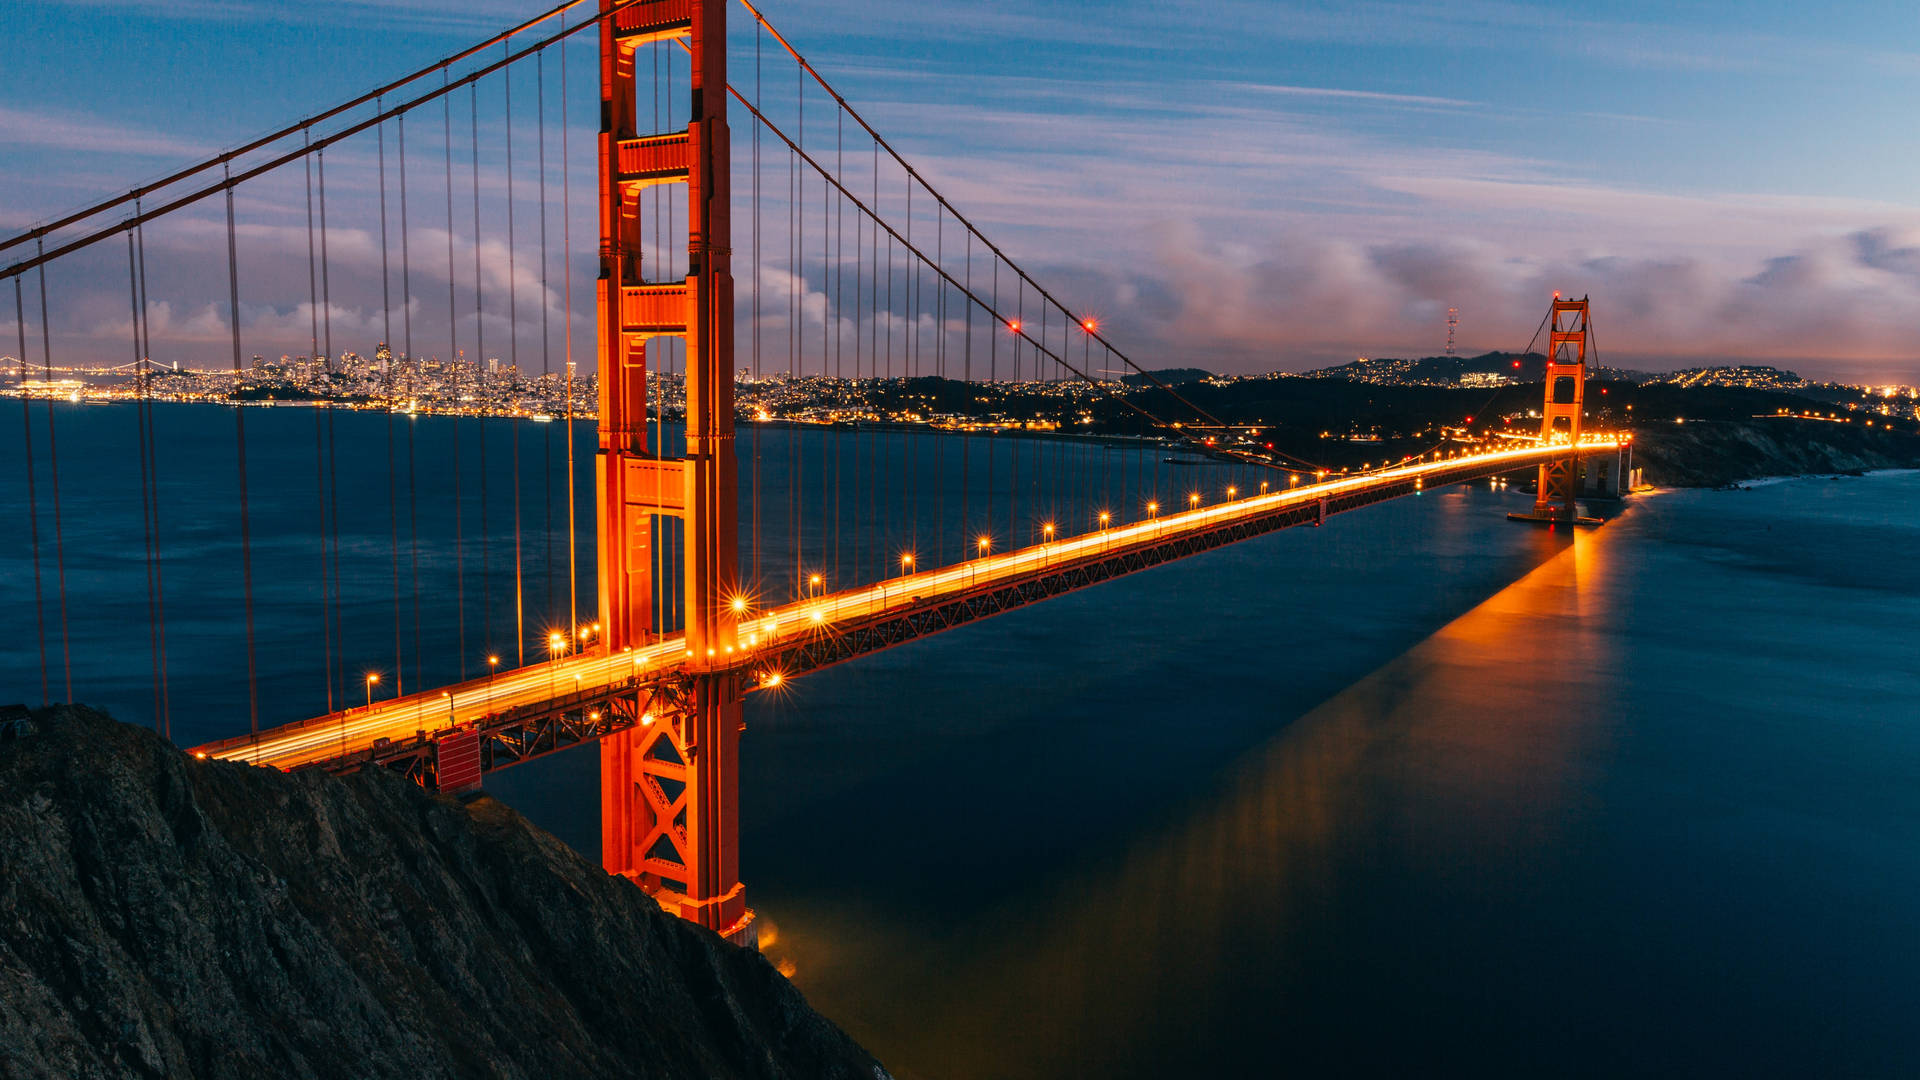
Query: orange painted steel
point(1568, 336)
point(670, 788)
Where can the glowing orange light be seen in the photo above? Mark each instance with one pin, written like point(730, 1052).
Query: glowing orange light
point(739, 604)
point(1090, 325)
point(1013, 325)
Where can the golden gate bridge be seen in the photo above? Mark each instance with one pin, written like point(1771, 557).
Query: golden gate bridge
point(686, 624)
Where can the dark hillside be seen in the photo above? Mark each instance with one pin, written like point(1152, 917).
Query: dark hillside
point(162, 916)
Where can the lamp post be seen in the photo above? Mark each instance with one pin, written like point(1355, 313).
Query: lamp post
point(906, 571)
point(984, 544)
point(448, 694)
point(555, 646)
point(372, 677)
point(493, 668)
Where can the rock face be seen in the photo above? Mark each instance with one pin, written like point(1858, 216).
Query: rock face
point(162, 916)
point(1708, 454)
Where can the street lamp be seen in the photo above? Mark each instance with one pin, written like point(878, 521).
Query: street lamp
point(372, 677)
point(493, 668)
point(448, 694)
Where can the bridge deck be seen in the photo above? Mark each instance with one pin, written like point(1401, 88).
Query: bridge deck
point(829, 629)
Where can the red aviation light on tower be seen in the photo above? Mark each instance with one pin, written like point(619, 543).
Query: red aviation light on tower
point(1089, 325)
point(1013, 326)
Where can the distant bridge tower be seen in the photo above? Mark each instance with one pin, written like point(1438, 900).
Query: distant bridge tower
point(1453, 322)
point(1569, 333)
point(669, 786)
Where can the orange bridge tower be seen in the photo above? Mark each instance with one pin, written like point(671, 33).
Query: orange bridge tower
point(1568, 335)
point(669, 786)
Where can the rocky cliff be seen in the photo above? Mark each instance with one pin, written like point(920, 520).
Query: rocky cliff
point(1713, 453)
point(162, 916)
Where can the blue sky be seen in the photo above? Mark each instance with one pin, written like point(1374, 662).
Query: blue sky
point(1240, 184)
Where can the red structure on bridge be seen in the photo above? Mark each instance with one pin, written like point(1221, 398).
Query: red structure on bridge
point(669, 789)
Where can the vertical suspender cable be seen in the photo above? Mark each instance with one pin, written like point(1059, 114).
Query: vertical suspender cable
point(153, 475)
point(146, 488)
point(513, 360)
point(859, 318)
point(908, 350)
point(873, 349)
point(240, 440)
point(753, 577)
point(413, 367)
point(940, 383)
point(966, 378)
point(33, 502)
point(393, 480)
point(566, 313)
point(319, 443)
point(456, 365)
point(839, 281)
point(480, 358)
point(799, 347)
point(338, 690)
point(546, 336)
point(53, 467)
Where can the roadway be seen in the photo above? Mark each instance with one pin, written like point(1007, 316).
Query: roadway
point(765, 632)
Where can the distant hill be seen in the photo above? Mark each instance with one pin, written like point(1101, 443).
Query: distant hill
point(1486, 369)
point(1171, 376)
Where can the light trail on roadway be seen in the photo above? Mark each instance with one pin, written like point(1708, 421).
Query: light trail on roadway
point(765, 632)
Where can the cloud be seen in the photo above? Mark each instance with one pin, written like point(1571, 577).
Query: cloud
point(79, 131)
point(1325, 300)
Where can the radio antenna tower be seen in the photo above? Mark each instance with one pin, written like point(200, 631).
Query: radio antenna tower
point(1453, 320)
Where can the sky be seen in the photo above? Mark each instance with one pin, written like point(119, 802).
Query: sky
point(1242, 185)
